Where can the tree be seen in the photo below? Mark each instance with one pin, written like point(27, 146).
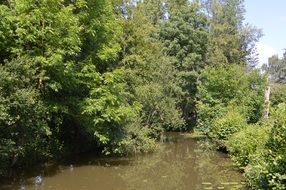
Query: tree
point(101, 34)
point(276, 69)
point(185, 37)
point(276, 73)
point(225, 88)
point(151, 75)
point(24, 130)
point(41, 39)
point(231, 41)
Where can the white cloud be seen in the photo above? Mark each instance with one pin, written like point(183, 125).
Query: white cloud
point(265, 51)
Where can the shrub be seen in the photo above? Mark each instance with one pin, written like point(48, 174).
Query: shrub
point(256, 173)
point(245, 143)
point(224, 86)
point(207, 114)
point(23, 115)
point(276, 149)
point(267, 167)
point(278, 94)
point(251, 101)
point(224, 127)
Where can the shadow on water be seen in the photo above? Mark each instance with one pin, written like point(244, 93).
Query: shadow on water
point(180, 162)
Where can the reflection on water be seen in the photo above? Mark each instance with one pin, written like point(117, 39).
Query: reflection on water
point(179, 163)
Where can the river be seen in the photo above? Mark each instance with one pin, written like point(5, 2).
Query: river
point(181, 162)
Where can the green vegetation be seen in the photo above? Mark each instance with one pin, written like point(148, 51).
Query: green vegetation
point(112, 76)
point(230, 112)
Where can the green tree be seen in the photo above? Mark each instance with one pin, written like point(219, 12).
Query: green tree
point(185, 37)
point(47, 32)
point(151, 75)
point(108, 106)
point(224, 86)
point(24, 118)
point(101, 34)
point(231, 41)
point(276, 69)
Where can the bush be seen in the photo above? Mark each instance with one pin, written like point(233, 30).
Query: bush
point(276, 149)
point(224, 127)
point(207, 114)
point(267, 167)
point(256, 173)
point(251, 103)
point(245, 143)
point(224, 86)
point(137, 139)
point(23, 115)
point(278, 94)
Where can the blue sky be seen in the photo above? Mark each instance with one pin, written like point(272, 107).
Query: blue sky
point(270, 16)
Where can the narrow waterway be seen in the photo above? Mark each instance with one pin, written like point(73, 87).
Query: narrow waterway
point(181, 162)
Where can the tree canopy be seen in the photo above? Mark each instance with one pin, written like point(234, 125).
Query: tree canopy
point(113, 76)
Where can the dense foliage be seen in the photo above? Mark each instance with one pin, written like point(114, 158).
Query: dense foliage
point(231, 92)
point(230, 111)
point(23, 117)
point(82, 75)
point(112, 76)
point(263, 157)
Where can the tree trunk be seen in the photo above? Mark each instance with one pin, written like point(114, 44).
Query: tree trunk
point(267, 99)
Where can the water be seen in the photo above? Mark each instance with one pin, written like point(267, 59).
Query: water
point(180, 163)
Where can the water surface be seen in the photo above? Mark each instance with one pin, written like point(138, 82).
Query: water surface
point(180, 163)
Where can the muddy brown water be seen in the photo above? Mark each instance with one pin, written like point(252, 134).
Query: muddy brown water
point(180, 163)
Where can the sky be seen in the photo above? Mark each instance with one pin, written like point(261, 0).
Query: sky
point(270, 16)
